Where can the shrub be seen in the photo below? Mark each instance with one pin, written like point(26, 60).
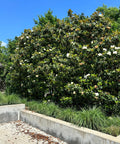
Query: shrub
point(73, 62)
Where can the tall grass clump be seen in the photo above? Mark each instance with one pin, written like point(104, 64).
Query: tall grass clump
point(13, 99)
point(113, 126)
point(92, 118)
point(3, 99)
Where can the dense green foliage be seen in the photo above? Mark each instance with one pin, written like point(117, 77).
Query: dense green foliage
point(48, 18)
point(72, 62)
point(113, 13)
point(5, 60)
point(3, 65)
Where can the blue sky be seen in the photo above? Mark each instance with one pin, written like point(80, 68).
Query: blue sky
point(17, 15)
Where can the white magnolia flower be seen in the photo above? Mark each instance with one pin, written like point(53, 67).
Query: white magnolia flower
point(25, 60)
point(86, 76)
point(74, 92)
point(104, 49)
point(73, 43)
point(33, 80)
point(20, 63)
point(37, 75)
point(84, 47)
point(115, 52)
point(71, 82)
point(21, 84)
point(91, 42)
point(27, 37)
point(96, 94)
point(117, 48)
point(109, 53)
point(21, 37)
point(24, 43)
point(67, 54)
point(112, 46)
point(99, 54)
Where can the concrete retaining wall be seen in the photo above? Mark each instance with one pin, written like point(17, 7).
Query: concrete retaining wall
point(63, 130)
point(66, 131)
point(10, 112)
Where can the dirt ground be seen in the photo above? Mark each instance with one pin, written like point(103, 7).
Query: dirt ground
point(22, 133)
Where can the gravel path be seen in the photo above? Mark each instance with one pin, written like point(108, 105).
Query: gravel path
point(22, 133)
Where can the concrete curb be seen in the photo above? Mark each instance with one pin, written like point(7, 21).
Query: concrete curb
point(66, 131)
point(10, 112)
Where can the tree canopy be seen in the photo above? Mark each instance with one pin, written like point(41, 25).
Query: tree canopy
point(47, 18)
point(113, 13)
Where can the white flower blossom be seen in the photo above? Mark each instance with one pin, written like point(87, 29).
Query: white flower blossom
point(25, 60)
point(21, 84)
point(37, 75)
point(17, 48)
point(92, 42)
point(27, 37)
point(99, 54)
point(109, 53)
point(21, 37)
point(86, 76)
point(73, 43)
point(96, 94)
point(71, 82)
point(74, 92)
point(84, 47)
point(104, 49)
point(115, 52)
point(117, 48)
point(112, 46)
point(67, 54)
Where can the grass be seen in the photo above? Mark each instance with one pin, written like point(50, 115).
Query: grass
point(92, 118)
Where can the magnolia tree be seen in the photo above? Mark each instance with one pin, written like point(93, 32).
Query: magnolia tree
point(73, 63)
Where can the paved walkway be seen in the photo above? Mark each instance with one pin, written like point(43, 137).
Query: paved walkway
point(22, 133)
